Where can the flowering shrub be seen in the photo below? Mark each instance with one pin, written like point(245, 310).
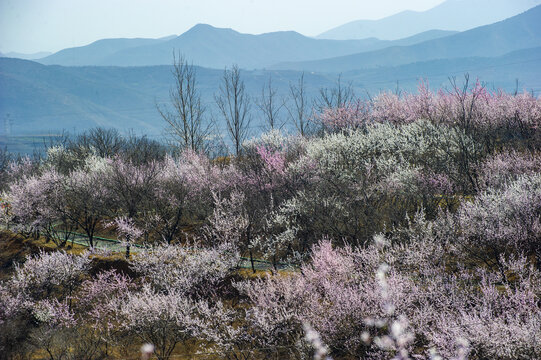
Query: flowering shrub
point(41, 275)
point(30, 197)
point(360, 308)
point(351, 116)
point(413, 222)
point(229, 223)
point(493, 118)
point(361, 181)
point(499, 321)
point(186, 270)
point(98, 297)
point(335, 294)
point(160, 319)
point(502, 222)
point(502, 168)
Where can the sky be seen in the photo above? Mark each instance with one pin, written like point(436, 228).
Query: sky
point(29, 26)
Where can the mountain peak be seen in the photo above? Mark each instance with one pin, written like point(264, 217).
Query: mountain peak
point(202, 26)
point(206, 28)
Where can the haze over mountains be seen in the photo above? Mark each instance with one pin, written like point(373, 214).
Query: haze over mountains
point(117, 82)
point(459, 15)
point(44, 99)
point(94, 53)
point(207, 46)
point(519, 32)
point(213, 47)
point(33, 56)
point(47, 99)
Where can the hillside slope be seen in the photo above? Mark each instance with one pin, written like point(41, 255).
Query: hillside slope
point(42, 99)
point(519, 32)
point(38, 98)
point(212, 47)
point(93, 53)
point(458, 15)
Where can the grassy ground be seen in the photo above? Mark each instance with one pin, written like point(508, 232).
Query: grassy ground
point(14, 248)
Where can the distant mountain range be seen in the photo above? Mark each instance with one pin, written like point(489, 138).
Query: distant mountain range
point(117, 82)
point(519, 32)
point(217, 48)
point(43, 99)
point(93, 54)
point(502, 72)
point(458, 15)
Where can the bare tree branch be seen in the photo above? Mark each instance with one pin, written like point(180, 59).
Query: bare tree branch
point(270, 106)
point(234, 105)
point(298, 110)
point(187, 124)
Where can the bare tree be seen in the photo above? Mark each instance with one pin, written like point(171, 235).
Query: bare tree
point(270, 105)
point(234, 105)
point(337, 97)
point(104, 142)
point(298, 110)
point(467, 99)
point(188, 125)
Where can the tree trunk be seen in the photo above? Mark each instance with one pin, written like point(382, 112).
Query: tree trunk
point(252, 261)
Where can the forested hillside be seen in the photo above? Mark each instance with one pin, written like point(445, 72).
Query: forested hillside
point(404, 226)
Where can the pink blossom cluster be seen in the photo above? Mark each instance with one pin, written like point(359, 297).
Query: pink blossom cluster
point(468, 106)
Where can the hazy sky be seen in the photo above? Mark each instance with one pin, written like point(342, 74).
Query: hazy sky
point(29, 26)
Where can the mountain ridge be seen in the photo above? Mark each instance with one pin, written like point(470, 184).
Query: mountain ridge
point(46, 98)
point(95, 50)
point(458, 15)
point(213, 47)
point(518, 32)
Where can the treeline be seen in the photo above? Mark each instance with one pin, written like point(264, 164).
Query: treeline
point(447, 183)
